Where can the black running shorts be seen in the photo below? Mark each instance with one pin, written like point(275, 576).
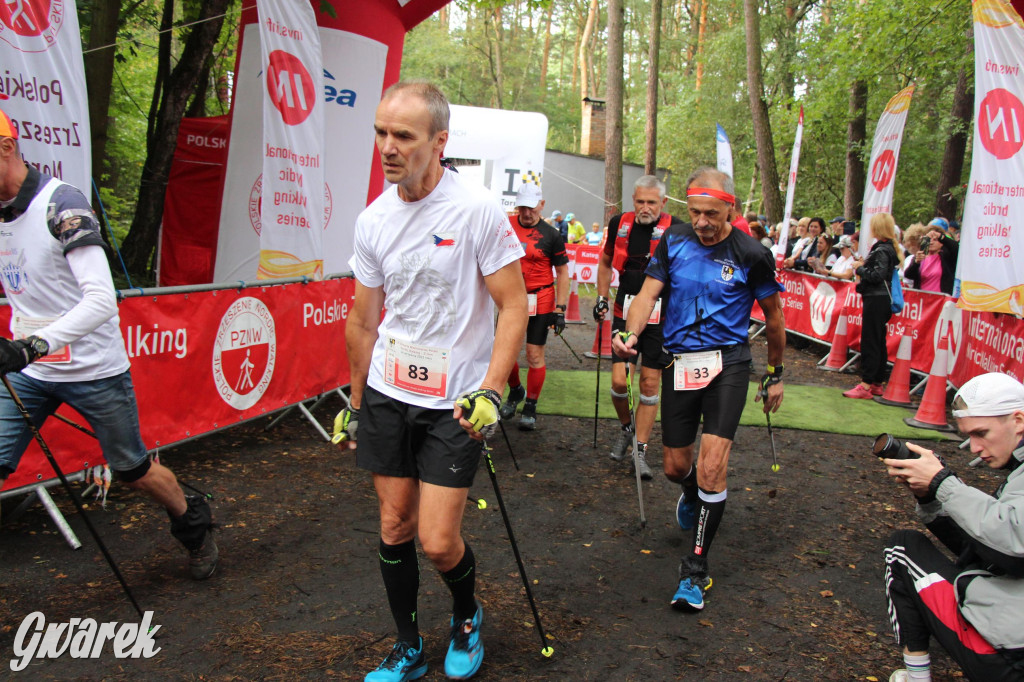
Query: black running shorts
point(720, 405)
point(652, 354)
point(537, 328)
point(406, 441)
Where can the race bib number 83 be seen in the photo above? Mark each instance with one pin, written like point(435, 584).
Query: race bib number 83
point(415, 368)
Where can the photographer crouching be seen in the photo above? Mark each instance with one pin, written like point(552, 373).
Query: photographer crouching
point(975, 606)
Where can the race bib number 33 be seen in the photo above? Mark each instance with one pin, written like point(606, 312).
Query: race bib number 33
point(696, 370)
point(415, 368)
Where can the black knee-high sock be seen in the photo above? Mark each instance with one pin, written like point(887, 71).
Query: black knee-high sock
point(401, 572)
point(461, 580)
point(710, 509)
point(690, 484)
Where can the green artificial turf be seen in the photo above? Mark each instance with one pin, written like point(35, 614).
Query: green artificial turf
point(811, 408)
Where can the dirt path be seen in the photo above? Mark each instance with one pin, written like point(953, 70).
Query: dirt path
point(796, 566)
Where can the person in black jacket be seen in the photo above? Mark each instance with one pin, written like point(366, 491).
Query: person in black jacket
point(936, 269)
point(874, 278)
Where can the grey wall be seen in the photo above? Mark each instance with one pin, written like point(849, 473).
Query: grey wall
point(574, 183)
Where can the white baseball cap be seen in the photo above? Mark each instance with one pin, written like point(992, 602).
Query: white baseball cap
point(989, 395)
point(529, 195)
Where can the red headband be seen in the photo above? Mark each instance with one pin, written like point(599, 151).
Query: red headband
point(716, 193)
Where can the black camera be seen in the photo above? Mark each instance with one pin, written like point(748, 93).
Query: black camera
point(888, 447)
point(924, 244)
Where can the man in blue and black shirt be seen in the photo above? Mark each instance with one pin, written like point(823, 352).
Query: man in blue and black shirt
point(710, 275)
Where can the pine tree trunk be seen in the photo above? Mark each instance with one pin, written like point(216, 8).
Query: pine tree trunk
point(856, 136)
point(99, 74)
point(613, 112)
point(773, 205)
point(956, 146)
point(653, 57)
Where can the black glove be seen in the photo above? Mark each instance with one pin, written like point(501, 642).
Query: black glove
point(766, 381)
point(16, 355)
point(345, 425)
point(559, 323)
point(600, 308)
point(480, 408)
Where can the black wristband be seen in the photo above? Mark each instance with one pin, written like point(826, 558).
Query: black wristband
point(933, 486)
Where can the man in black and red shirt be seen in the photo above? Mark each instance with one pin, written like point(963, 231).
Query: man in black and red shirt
point(544, 249)
point(632, 238)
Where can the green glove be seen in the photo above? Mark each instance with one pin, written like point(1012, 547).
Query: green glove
point(480, 408)
point(345, 425)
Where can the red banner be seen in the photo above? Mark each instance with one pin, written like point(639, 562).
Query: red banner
point(978, 342)
point(206, 360)
point(583, 262)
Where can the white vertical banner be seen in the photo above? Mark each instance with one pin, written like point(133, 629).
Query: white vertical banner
point(353, 78)
point(292, 208)
point(794, 165)
point(885, 154)
point(42, 87)
point(992, 238)
point(724, 150)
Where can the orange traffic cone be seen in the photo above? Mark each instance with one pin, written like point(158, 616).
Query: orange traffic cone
point(897, 391)
point(836, 361)
point(604, 330)
point(572, 311)
point(931, 413)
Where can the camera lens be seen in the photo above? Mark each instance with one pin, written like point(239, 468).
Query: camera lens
point(885, 444)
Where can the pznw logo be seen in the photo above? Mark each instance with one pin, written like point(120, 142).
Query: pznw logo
point(244, 353)
point(31, 25)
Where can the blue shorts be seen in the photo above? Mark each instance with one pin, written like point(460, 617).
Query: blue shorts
point(108, 405)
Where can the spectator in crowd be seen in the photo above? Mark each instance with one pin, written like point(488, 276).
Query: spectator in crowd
point(934, 266)
point(954, 230)
point(595, 235)
point(561, 225)
point(836, 226)
point(577, 233)
point(822, 262)
point(798, 259)
point(911, 245)
point(758, 232)
point(875, 273)
point(798, 240)
point(842, 267)
point(973, 606)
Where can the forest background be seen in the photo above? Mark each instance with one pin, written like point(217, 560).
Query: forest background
point(749, 65)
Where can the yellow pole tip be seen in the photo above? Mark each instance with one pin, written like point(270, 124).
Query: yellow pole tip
point(775, 467)
point(547, 651)
point(482, 504)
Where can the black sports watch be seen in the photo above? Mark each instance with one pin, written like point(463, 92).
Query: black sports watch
point(39, 346)
point(775, 371)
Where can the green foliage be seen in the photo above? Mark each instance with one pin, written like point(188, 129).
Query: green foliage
point(812, 51)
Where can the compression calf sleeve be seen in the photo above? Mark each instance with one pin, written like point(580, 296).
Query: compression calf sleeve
point(401, 572)
point(710, 509)
point(535, 381)
point(513, 377)
point(461, 581)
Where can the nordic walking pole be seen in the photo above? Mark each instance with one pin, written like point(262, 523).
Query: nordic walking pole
point(546, 648)
point(71, 493)
point(597, 391)
point(578, 358)
point(508, 444)
point(636, 454)
point(771, 434)
point(480, 504)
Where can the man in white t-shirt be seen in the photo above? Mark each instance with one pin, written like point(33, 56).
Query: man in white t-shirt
point(68, 346)
point(437, 252)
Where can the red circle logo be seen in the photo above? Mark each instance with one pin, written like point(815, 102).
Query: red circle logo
point(1001, 123)
point(883, 169)
point(586, 273)
point(33, 23)
point(290, 87)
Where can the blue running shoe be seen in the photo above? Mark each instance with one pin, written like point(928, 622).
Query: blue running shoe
point(402, 664)
point(685, 510)
point(466, 652)
point(689, 595)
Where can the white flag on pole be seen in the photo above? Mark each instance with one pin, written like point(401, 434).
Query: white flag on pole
point(794, 165)
point(724, 150)
point(885, 153)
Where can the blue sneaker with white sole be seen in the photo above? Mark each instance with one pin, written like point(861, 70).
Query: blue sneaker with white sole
point(689, 595)
point(405, 662)
point(466, 651)
point(685, 512)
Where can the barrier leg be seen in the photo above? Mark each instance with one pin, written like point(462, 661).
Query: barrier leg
point(58, 518)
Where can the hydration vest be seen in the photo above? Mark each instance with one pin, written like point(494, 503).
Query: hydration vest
point(621, 253)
